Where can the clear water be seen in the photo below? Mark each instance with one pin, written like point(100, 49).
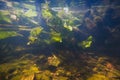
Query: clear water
point(59, 40)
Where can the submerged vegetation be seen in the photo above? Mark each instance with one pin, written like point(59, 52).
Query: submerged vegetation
point(54, 68)
point(34, 33)
point(7, 34)
point(4, 18)
point(87, 43)
point(66, 41)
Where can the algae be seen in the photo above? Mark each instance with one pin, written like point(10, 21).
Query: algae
point(18, 69)
point(53, 60)
point(98, 77)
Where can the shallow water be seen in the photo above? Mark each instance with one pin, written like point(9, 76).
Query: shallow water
point(65, 41)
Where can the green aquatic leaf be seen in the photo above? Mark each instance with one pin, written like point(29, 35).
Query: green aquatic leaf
point(6, 34)
point(56, 37)
point(70, 23)
point(86, 43)
point(4, 18)
point(4, 12)
point(68, 27)
point(47, 14)
point(30, 13)
point(36, 31)
point(31, 40)
point(29, 6)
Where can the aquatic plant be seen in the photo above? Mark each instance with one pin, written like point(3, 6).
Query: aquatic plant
point(98, 77)
point(29, 6)
point(53, 60)
point(46, 12)
point(60, 27)
point(68, 26)
point(7, 34)
point(46, 75)
point(34, 33)
point(30, 13)
point(4, 18)
point(86, 43)
point(56, 37)
point(55, 22)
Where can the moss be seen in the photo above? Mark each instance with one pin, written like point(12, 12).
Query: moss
point(46, 75)
point(18, 69)
point(28, 77)
point(31, 70)
point(60, 78)
point(98, 77)
point(7, 67)
point(61, 71)
point(63, 78)
point(53, 60)
point(16, 77)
